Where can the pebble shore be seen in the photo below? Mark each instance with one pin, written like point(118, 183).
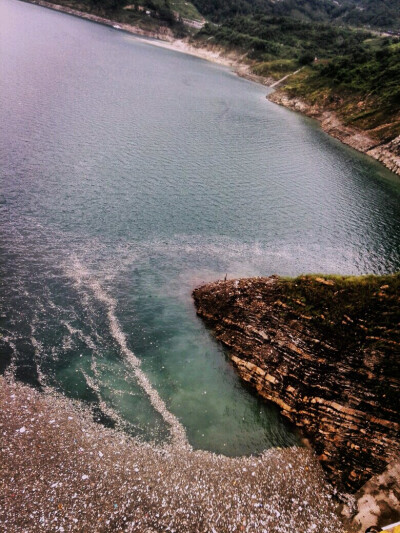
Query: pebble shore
point(60, 472)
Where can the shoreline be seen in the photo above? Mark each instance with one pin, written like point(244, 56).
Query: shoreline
point(163, 38)
point(61, 471)
point(387, 154)
point(323, 371)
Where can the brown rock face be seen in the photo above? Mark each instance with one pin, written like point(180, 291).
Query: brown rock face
point(346, 400)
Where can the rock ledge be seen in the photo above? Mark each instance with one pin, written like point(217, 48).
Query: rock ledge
point(340, 388)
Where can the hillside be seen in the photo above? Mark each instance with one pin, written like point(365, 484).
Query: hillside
point(381, 14)
point(349, 77)
point(362, 87)
point(356, 98)
point(269, 38)
point(151, 16)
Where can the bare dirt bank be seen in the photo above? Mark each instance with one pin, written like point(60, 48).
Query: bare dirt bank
point(386, 153)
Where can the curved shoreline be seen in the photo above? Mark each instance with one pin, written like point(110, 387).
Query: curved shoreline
point(387, 154)
point(163, 38)
point(63, 472)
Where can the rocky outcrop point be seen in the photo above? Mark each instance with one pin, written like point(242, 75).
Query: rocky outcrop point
point(342, 392)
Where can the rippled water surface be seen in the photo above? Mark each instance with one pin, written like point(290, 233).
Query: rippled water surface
point(130, 174)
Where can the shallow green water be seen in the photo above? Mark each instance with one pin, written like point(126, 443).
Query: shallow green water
point(130, 174)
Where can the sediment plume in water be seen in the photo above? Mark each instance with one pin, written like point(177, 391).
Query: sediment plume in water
point(60, 471)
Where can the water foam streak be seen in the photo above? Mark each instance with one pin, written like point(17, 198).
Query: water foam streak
point(83, 278)
point(106, 409)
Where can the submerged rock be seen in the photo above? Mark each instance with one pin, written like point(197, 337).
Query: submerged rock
point(326, 351)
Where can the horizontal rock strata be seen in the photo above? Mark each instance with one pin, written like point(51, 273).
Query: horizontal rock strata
point(345, 401)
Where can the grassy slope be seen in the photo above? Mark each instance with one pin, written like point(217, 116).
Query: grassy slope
point(269, 38)
point(379, 14)
point(357, 73)
point(358, 311)
point(185, 9)
point(363, 88)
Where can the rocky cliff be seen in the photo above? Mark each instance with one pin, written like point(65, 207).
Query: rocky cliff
point(387, 153)
point(326, 351)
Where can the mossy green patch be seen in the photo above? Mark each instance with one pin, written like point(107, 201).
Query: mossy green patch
point(185, 9)
point(276, 69)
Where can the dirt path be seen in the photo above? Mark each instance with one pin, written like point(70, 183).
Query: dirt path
point(285, 78)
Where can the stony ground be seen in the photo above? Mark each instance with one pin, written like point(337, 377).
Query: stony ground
point(60, 471)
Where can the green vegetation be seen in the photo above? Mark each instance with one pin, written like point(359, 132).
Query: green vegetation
point(373, 13)
point(357, 72)
point(363, 87)
point(269, 38)
point(354, 313)
point(159, 12)
point(275, 69)
point(185, 9)
point(380, 14)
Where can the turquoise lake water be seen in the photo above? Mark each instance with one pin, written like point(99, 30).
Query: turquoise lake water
point(130, 174)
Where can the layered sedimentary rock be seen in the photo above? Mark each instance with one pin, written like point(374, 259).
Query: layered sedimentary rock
point(344, 395)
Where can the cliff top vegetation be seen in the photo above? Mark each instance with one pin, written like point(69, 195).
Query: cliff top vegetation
point(368, 13)
point(358, 312)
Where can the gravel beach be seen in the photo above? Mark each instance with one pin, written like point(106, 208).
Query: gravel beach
point(60, 471)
